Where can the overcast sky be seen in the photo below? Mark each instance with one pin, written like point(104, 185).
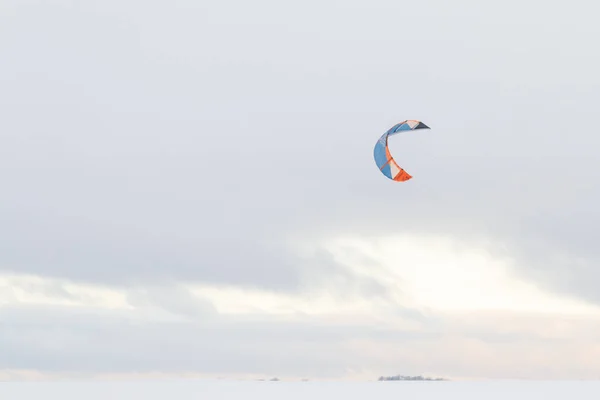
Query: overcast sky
point(188, 187)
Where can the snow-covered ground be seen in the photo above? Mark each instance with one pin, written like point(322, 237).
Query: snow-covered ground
point(217, 390)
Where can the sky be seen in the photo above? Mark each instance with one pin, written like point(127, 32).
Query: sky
point(188, 189)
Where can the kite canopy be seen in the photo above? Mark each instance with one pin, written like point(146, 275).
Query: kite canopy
point(384, 160)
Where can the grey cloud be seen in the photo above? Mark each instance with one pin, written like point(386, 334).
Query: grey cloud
point(46, 288)
point(173, 299)
point(127, 259)
point(322, 272)
point(59, 340)
point(88, 252)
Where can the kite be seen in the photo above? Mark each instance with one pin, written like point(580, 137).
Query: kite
point(383, 158)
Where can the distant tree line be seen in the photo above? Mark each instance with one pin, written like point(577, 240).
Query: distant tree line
point(408, 378)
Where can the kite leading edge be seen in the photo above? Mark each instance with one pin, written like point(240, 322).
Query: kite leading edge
point(384, 160)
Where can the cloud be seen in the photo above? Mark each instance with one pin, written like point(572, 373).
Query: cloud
point(94, 344)
point(431, 304)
